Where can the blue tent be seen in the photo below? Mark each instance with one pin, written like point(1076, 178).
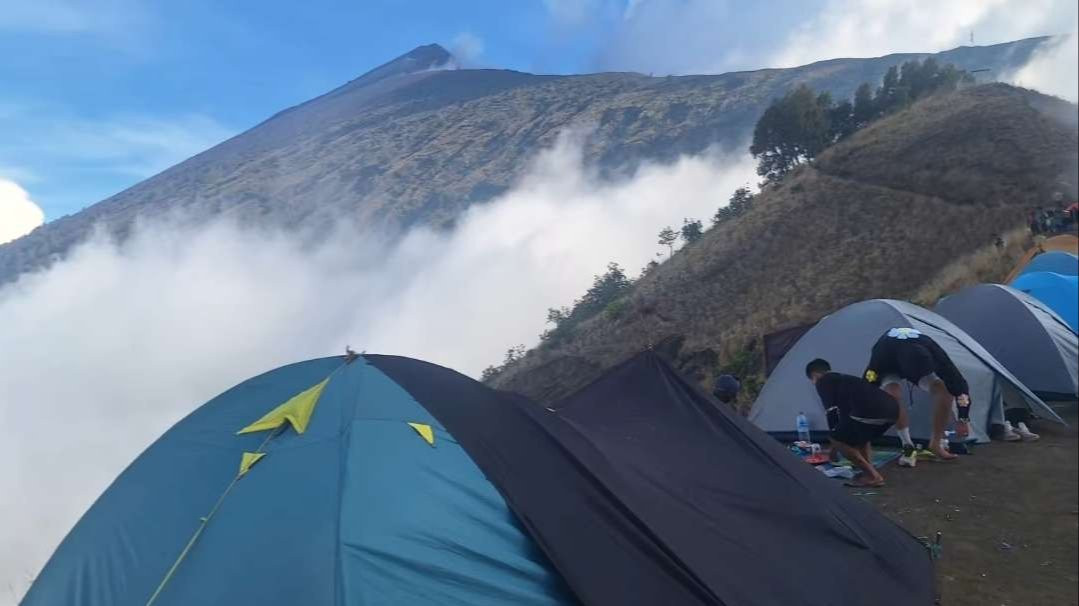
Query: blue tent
point(1058, 292)
point(370, 497)
point(378, 480)
point(1056, 261)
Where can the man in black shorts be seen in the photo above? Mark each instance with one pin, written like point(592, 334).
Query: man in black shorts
point(858, 413)
point(905, 354)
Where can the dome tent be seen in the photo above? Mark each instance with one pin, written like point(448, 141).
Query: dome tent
point(1024, 334)
point(845, 339)
point(1064, 242)
point(1056, 261)
point(1058, 292)
point(316, 440)
point(741, 512)
point(385, 480)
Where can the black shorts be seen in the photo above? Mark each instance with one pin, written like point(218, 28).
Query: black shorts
point(856, 433)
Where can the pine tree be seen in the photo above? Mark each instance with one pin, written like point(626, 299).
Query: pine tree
point(864, 109)
point(692, 230)
point(667, 237)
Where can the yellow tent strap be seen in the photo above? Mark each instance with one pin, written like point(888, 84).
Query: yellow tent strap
point(206, 520)
point(202, 526)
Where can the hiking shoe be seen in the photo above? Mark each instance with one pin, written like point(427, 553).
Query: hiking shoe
point(1025, 433)
point(1010, 434)
point(909, 458)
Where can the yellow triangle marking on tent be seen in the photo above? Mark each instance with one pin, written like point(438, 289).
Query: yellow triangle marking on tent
point(297, 411)
point(248, 461)
point(425, 432)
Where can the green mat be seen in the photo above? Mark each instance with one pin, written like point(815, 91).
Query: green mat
point(881, 457)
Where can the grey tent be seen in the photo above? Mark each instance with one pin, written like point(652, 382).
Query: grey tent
point(845, 339)
point(1024, 334)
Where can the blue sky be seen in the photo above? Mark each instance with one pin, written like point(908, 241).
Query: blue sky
point(99, 95)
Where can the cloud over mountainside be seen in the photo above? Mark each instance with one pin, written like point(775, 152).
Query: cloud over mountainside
point(680, 37)
point(18, 213)
point(1053, 70)
point(119, 341)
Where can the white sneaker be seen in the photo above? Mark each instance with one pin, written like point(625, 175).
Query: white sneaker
point(1025, 433)
point(909, 458)
point(1009, 433)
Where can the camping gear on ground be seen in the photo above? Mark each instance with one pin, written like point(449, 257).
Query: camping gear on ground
point(1056, 261)
point(368, 479)
point(1058, 292)
point(731, 501)
point(845, 339)
point(842, 472)
point(1024, 334)
point(1065, 243)
point(802, 427)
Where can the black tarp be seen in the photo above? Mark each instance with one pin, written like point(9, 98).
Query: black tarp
point(778, 343)
point(641, 491)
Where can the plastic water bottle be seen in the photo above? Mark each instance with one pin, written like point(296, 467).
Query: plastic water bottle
point(803, 427)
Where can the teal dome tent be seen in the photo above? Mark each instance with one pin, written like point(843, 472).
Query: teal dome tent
point(378, 480)
point(323, 482)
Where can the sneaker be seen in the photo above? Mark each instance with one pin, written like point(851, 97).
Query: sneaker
point(909, 458)
point(1010, 434)
point(1025, 433)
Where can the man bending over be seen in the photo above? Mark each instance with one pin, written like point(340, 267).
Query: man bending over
point(905, 354)
point(858, 413)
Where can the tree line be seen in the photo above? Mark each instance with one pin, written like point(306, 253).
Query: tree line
point(801, 124)
point(793, 130)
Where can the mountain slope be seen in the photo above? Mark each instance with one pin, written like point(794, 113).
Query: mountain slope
point(876, 216)
point(413, 142)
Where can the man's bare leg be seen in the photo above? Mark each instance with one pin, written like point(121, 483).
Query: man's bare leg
point(942, 413)
point(870, 475)
point(903, 421)
point(902, 425)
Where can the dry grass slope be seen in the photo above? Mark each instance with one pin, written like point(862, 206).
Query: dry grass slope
point(883, 214)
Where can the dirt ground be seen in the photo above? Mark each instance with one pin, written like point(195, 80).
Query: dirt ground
point(1009, 514)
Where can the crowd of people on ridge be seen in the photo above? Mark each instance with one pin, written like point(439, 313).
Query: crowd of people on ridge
point(1054, 220)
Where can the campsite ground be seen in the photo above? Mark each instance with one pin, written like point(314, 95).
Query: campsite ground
point(1009, 515)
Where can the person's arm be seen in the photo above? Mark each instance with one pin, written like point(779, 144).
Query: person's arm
point(954, 382)
point(946, 370)
point(828, 390)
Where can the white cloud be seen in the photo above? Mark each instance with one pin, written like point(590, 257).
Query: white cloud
point(124, 148)
point(108, 348)
point(571, 12)
point(71, 16)
point(466, 48)
point(19, 215)
point(1053, 69)
point(19, 174)
point(869, 28)
point(138, 146)
point(714, 36)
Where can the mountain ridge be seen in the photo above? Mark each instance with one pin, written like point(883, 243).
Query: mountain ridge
point(409, 143)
